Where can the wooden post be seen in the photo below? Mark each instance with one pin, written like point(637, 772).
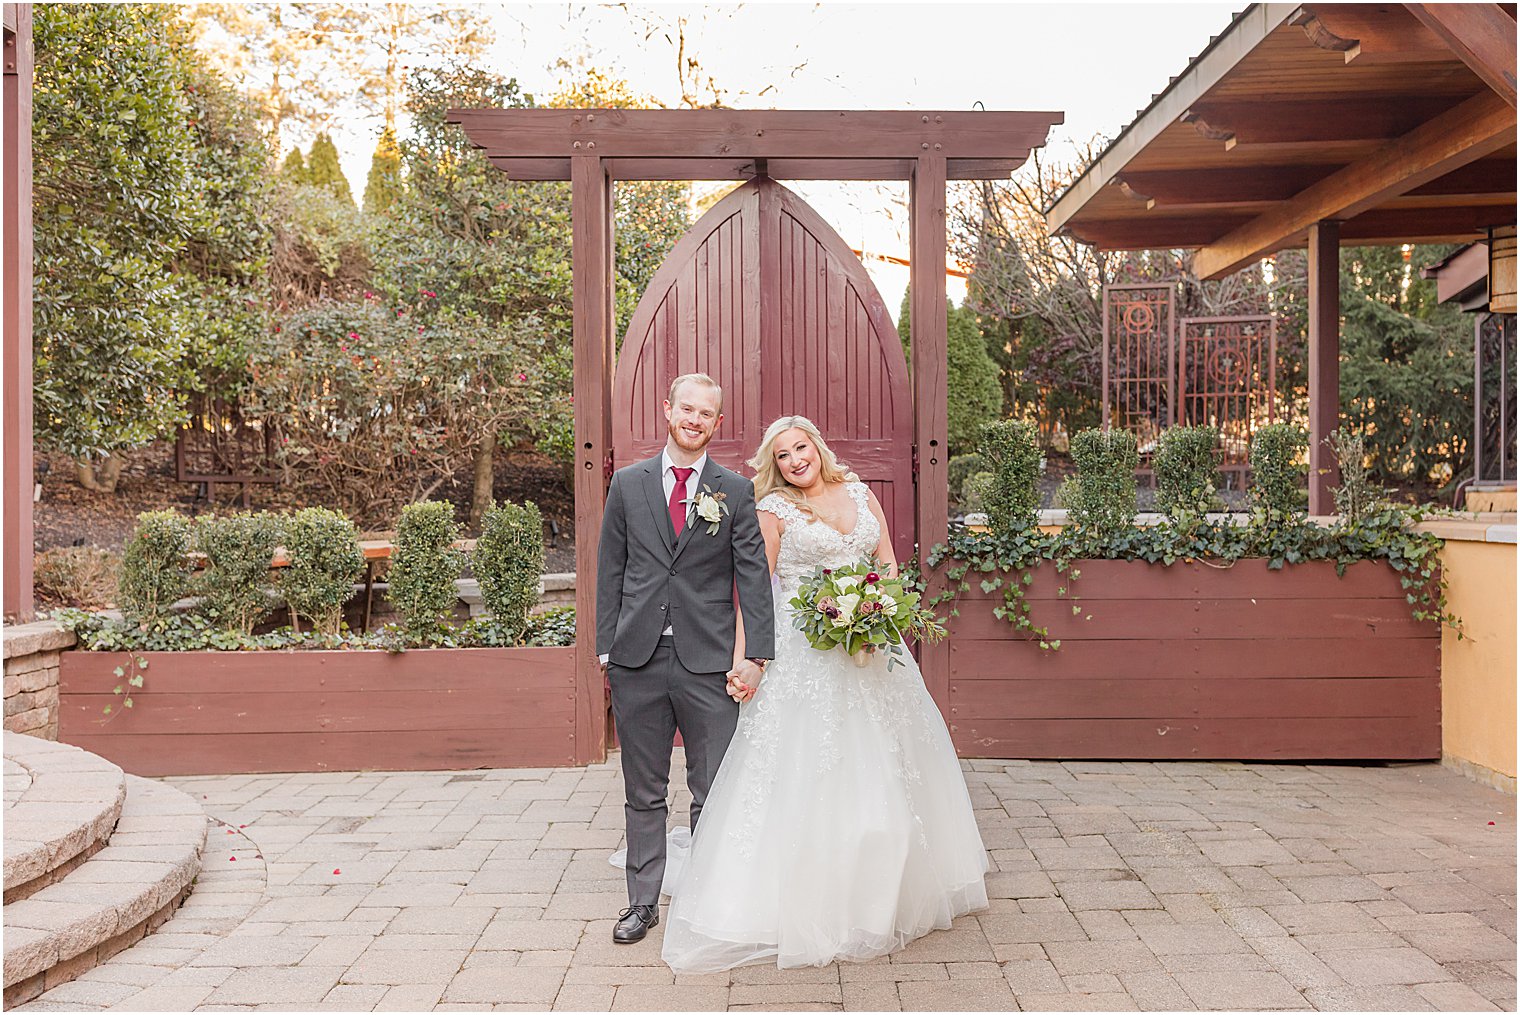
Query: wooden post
point(1324, 360)
point(592, 324)
point(17, 365)
point(929, 327)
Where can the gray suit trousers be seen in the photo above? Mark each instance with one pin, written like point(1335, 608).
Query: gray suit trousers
point(650, 703)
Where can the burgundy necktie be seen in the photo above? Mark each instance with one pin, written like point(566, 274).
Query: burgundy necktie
point(677, 496)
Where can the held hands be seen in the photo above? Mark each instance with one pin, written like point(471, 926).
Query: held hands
point(743, 680)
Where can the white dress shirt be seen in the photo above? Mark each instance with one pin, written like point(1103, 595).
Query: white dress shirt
point(668, 479)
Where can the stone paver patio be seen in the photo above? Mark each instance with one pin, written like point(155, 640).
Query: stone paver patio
point(1145, 886)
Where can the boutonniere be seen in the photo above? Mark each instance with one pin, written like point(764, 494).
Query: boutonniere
point(710, 507)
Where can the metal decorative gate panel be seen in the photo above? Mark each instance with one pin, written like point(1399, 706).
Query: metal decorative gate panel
point(1139, 350)
point(1494, 398)
point(1228, 368)
point(1159, 371)
point(766, 298)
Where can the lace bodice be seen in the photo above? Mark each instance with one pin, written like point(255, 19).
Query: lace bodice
point(808, 543)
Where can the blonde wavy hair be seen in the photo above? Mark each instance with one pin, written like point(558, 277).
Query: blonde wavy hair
point(768, 478)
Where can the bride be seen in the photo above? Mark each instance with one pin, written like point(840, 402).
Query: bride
point(839, 826)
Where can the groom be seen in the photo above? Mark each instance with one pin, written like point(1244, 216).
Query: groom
point(678, 537)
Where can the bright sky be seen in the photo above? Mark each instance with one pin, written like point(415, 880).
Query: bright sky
point(1097, 62)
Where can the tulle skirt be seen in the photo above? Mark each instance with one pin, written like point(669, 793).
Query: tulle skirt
point(839, 826)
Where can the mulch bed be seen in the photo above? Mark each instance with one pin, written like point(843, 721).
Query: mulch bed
point(70, 515)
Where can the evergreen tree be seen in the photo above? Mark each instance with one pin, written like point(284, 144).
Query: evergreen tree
point(975, 393)
point(383, 189)
point(293, 169)
point(1406, 369)
point(323, 168)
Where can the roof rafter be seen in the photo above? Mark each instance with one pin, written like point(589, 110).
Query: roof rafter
point(1478, 127)
point(1482, 36)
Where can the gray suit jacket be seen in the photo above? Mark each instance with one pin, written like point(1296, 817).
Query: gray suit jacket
point(647, 579)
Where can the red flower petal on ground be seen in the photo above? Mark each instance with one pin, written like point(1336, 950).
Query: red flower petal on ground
point(1490, 822)
point(337, 871)
point(232, 859)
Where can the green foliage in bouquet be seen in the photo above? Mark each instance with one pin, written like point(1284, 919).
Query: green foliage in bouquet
point(859, 609)
point(509, 558)
point(425, 567)
point(155, 567)
point(325, 561)
point(235, 583)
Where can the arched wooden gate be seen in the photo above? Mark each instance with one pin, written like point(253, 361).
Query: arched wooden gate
point(766, 298)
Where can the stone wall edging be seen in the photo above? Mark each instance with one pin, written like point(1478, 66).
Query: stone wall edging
point(31, 677)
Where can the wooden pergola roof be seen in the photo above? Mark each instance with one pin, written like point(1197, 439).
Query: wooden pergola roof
point(1395, 120)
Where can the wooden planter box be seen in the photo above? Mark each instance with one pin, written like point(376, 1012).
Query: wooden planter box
point(1199, 661)
point(215, 713)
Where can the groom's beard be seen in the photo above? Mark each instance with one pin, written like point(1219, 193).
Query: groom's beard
point(684, 440)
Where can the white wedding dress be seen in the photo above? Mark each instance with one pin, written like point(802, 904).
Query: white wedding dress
point(839, 826)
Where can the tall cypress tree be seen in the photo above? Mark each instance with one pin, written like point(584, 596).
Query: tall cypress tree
point(323, 168)
point(293, 169)
point(383, 188)
point(975, 392)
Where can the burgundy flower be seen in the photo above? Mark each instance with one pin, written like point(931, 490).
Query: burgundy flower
point(872, 578)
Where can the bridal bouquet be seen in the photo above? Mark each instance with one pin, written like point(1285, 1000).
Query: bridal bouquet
point(862, 611)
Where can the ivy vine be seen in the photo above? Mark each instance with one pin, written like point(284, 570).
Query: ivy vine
point(1007, 562)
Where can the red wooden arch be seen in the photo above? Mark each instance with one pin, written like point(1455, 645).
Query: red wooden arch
point(593, 147)
point(765, 297)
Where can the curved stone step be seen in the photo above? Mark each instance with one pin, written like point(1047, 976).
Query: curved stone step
point(110, 900)
point(60, 806)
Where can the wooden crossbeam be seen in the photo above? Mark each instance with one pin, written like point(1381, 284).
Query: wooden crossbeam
point(1478, 127)
point(1299, 119)
point(1481, 35)
point(1250, 185)
point(1165, 188)
point(550, 169)
point(729, 134)
point(1140, 233)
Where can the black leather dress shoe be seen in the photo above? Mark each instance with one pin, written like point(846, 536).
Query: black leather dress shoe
point(633, 923)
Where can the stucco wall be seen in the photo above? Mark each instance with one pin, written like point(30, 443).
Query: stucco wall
point(1478, 673)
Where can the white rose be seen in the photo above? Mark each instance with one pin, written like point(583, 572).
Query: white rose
point(845, 584)
point(888, 605)
point(709, 509)
point(847, 606)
